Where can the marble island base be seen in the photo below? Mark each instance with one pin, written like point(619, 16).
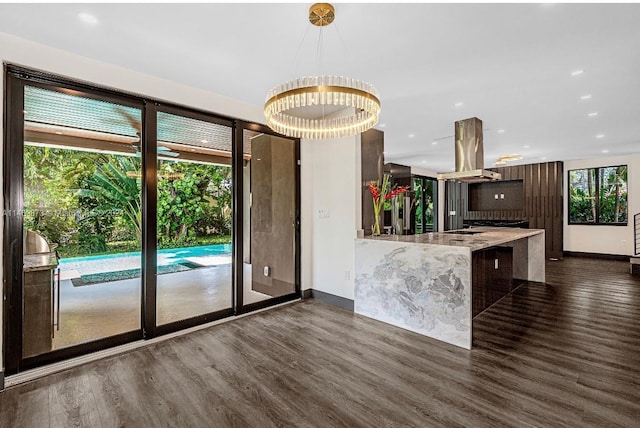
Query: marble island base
point(427, 287)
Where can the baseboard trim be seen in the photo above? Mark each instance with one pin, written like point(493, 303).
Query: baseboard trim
point(332, 299)
point(618, 257)
point(1, 381)
point(306, 294)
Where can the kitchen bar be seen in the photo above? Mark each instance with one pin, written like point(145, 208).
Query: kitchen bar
point(423, 283)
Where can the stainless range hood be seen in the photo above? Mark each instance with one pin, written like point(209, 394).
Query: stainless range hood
point(469, 154)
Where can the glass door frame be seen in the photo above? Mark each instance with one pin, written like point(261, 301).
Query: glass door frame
point(151, 205)
point(16, 78)
point(424, 182)
point(238, 221)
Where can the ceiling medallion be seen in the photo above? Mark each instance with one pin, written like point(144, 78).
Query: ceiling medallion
point(288, 104)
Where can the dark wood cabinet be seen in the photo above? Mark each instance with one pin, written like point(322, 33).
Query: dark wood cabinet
point(542, 198)
point(456, 199)
point(492, 277)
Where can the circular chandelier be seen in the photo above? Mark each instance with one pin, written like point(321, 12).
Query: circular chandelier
point(289, 105)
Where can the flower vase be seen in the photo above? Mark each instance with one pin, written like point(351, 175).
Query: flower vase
point(375, 228)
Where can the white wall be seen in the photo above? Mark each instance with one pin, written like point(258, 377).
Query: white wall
point(603, 239)
point(18, 51)
point(330, 179)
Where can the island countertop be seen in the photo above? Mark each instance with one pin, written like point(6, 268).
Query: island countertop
point(484, 238)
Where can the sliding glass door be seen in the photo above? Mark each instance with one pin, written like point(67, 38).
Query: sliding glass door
point(194, 217)
point(270, 217)
point(127, 218)
point(426, 194)
point(72, 223)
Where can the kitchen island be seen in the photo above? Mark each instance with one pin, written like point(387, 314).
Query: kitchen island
point(423, 283)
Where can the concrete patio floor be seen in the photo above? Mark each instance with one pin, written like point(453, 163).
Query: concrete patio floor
point(101, 310)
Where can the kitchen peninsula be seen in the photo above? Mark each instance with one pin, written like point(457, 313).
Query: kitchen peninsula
point(425, 283)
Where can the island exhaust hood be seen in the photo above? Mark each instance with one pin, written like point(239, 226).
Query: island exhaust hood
point(469, 154)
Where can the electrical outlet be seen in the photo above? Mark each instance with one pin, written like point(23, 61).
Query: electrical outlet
point(266, 271)
point(501, 195)
point(495, 196)
point(452, 213)
point(324, 213)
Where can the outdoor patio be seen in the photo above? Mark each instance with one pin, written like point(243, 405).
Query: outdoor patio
point(102, 309)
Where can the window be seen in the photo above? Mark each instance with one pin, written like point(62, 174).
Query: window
point(598, 195)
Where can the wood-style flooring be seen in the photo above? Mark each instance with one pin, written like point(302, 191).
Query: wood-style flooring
point(564, 353)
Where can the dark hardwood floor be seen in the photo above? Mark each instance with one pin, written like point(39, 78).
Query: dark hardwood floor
point(566, 353)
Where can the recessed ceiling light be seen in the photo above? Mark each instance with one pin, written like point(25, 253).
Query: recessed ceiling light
point(526, 146)
point(435, 143)
point(87, 18)
point(424, 161)
point(204, 141)
point(459, 104)
point(543, 158)
point(500, 131)
point(412, 135)
point(605, 151)
point(595, 113)
point(585, 97)
point(58, 132)
point(382, 125)
point(600, 136)
point(576, 73)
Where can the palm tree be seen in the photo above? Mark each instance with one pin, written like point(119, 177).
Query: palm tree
point(113, 189)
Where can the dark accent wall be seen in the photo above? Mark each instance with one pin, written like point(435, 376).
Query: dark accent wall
point(372, 163)
point(542, 202)
point(496, 196)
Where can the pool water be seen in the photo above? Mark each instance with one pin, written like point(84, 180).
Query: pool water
point(168, 260)
point(201, 251)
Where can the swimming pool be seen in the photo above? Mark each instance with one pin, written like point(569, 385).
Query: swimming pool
point(189, 257)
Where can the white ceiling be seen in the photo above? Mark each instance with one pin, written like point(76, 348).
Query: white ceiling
point(510, 65)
